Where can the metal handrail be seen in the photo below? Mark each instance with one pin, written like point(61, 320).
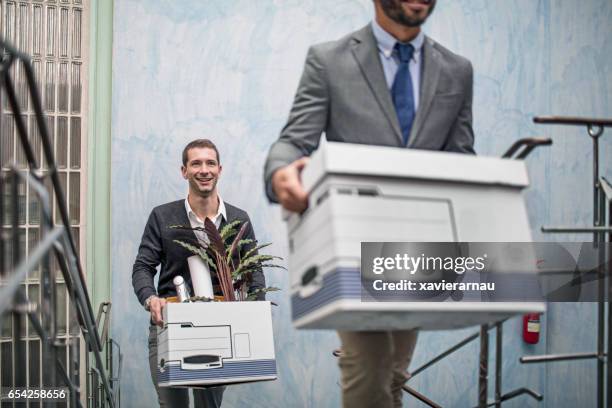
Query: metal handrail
point(57, 240)
point(601, 230)
point(12, 55)
point(528, 144)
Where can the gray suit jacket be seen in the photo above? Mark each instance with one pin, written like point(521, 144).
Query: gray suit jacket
point(343, 93)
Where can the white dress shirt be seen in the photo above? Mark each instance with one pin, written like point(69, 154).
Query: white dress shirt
point(195, 221)
point(390, 61)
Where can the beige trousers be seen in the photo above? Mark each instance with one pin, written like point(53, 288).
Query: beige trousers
point(373, 367)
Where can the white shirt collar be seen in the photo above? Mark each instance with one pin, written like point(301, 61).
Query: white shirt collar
point(386, 42)
point(221, 212)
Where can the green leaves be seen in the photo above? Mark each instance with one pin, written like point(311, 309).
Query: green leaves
point(239, 246)
point(184, 227)
point(219, 254)
point(229, 230)
point(253, 295)
point(201, 299)
point(256, 249)
point(200, 251)
point(251, 263)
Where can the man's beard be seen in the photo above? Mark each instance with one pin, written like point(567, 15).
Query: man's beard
point(393, 10)
point(204, 192)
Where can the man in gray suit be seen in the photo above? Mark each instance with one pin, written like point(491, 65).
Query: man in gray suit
point(385, 84)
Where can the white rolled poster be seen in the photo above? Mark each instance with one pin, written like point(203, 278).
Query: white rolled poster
point(200, 277)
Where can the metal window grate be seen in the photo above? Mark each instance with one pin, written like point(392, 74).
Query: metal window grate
point(52, 33)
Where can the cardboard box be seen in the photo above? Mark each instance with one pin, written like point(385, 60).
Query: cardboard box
point(215, 343)
point(361, 193)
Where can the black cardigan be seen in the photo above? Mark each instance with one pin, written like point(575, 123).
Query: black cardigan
point(157, 247)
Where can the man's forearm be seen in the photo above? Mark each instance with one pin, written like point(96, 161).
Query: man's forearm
point(147, 260)
point(306, 122)
point(142, 281)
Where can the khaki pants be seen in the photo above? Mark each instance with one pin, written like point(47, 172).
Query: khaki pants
point(373, 367)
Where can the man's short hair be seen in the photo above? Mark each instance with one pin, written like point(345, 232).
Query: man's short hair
point(199, 143)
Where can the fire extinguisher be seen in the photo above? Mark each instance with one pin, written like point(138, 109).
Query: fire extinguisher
point(531, 328)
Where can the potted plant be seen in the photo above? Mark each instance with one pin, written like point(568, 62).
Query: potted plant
point(219, 253)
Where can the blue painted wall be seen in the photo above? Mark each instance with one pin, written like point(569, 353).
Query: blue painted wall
point(228, 71)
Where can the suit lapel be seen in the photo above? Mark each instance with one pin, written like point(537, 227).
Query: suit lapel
point(430, 73)
point(365, 51)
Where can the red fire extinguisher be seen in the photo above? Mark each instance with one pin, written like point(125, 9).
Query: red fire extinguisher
point(531, 328)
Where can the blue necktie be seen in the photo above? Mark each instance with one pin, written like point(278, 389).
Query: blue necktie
point(401, 91)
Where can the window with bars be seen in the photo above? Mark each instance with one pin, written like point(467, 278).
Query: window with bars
point(54, 34)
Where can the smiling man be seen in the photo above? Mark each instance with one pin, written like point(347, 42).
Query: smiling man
point(386, 84)
point(202, 169)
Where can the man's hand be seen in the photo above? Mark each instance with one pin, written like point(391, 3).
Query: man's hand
point(287, 186)
point(155, 307)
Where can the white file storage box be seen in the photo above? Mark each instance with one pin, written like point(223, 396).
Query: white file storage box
point(361, 193)
point(215, 343)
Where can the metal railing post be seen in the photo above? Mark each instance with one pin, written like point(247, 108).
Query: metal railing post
point(483, 367)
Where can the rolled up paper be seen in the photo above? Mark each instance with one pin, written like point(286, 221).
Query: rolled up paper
point(181, 289)
point(200, 277)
